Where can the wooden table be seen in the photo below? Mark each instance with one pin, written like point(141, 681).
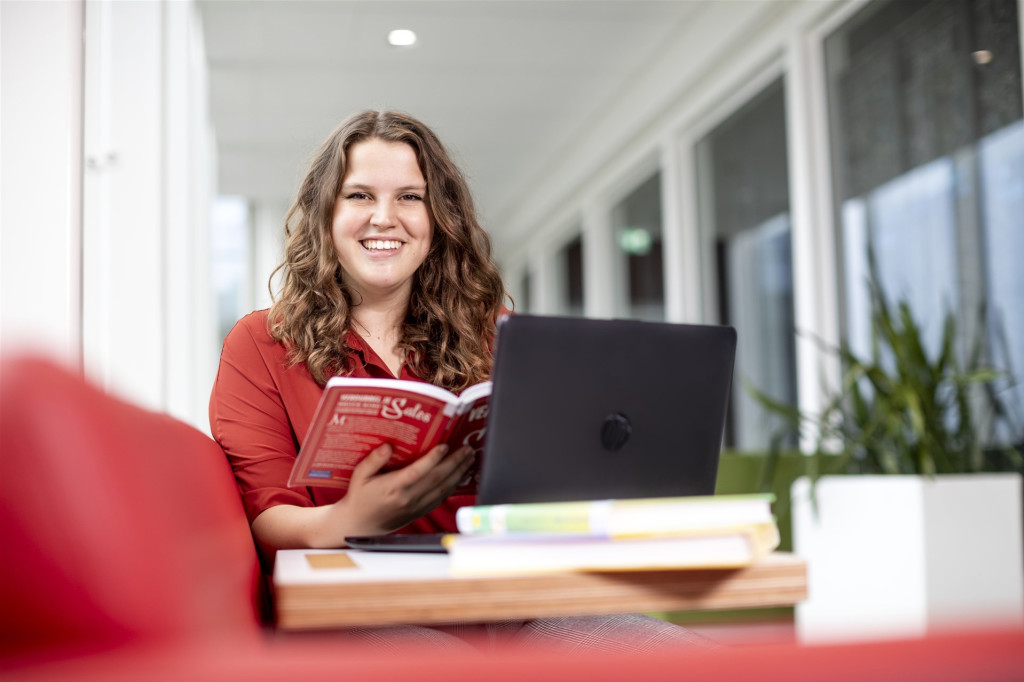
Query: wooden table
point(339, 588)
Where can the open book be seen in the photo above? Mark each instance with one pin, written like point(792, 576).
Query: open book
point(356, 415)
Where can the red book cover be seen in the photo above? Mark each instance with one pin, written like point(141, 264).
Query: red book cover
point(355, 416)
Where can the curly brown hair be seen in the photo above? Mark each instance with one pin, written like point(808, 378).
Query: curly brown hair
point(457, 293)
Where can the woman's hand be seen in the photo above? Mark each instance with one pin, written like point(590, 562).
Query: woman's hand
point(380, 502)
point(376, 502)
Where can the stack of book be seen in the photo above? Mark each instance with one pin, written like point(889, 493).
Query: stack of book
point(723, 531)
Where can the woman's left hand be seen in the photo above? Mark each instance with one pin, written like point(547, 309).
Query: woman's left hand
point(381, 502)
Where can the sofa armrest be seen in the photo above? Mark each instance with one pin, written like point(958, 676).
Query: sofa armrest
point(117, 523)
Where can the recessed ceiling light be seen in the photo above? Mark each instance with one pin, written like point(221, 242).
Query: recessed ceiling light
point(982, 56)
point(402, 37)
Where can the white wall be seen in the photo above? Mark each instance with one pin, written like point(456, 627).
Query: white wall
point(40, 178)
point(123, 323)
point(106, 157)
point(193, 346)
point(148, 326)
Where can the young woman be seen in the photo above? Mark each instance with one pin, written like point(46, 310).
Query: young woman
point(387, 273)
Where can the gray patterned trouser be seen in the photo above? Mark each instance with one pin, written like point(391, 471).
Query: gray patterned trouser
point(615, 633)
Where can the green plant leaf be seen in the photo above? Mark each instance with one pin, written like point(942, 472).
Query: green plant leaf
point(903, 410)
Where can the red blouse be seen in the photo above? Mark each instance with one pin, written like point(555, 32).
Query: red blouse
point(260, 411)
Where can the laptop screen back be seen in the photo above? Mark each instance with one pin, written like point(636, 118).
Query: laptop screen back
point(587, 409)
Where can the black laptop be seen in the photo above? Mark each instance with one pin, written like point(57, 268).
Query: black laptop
point(586, 409)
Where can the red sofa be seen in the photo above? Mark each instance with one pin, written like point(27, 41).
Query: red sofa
point(119, 525)
point(126, 555)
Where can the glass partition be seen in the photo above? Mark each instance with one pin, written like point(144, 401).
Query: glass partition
point(744, 210)
point(525, 284)
point(230, 258)
point(636, 224)
point(928, 147)
point(571, 284)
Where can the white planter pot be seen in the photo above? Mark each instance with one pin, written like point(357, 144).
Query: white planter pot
point(905, 556)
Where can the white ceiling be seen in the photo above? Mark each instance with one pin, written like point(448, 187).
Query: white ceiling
point(505, 83)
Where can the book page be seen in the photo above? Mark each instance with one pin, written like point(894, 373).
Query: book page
point(470, 428)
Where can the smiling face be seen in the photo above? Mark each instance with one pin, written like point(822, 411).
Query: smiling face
point(381, 228)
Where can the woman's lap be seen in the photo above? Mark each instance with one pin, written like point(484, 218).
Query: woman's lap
point(626, 632)
point(610, 633)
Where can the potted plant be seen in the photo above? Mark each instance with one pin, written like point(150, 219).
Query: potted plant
point(928, 535)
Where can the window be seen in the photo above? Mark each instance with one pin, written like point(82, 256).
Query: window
point(636, 224)
point(571, 284)
point(525, 284)
point(230, 258)
point(928, 143)
point(744, 207)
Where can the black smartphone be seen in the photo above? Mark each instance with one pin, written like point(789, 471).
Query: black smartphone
point(399, 542)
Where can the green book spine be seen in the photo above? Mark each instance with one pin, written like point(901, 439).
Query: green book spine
point(556, 517)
